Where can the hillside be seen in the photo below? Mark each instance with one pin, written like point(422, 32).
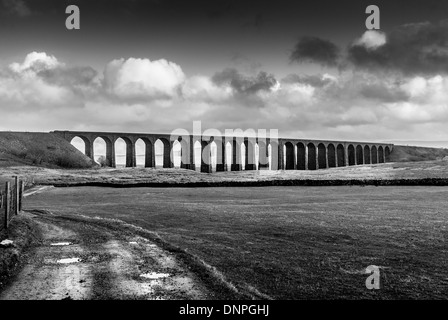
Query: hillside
point(40, 149)
point(411, 154)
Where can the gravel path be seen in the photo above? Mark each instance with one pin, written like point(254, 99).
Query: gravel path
point(79, 260)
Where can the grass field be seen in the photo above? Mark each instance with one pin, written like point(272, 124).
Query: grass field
point(290, 242)
point(437, 169)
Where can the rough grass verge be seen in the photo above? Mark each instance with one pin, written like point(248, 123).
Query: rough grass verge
point(25, 234)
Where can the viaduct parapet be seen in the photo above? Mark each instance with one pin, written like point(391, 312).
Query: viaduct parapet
point(284, 154)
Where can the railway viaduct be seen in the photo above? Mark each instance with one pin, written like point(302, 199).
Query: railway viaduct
point(285, 154)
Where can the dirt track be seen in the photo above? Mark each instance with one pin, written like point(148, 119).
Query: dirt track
point(106, 264)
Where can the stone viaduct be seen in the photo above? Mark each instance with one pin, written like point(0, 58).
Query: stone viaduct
point(285, 154)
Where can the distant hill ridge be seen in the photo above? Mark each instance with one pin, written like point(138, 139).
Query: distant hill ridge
point(411, 154)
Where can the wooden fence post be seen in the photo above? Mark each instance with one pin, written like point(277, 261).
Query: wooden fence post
point(16, 195)
point(7, 191)
point(22, 188)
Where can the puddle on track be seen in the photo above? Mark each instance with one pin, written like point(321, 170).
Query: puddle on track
point(154, 275)
point(61, 244)
point(68, 260)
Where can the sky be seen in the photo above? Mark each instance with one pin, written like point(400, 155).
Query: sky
point(311, 70)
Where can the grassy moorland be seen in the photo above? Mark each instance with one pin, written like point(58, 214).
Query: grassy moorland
point(290, 242)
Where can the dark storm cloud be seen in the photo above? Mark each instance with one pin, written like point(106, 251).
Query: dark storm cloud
point(417, 48)
point(16, 7)
point(382, 93)
point(313, 49)
point(218, 9)
point(313, 80)
point(256, 22)
point(245, 84)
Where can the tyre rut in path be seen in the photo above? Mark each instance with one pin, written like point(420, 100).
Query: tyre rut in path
point(78, 260)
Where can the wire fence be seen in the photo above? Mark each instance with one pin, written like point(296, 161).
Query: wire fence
point(11, 196)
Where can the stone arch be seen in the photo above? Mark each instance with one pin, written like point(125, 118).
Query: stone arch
point(256, 156)
point(351, 155)
point(184, 153)
point(213, 155)
point(229, 154)
point(331, 156)
point(387, 154)
point(88, 146)
point(221, 161)
point(129, 152)
point(237, 155)
point(359, 155)
point(289, 156)
point(103, 146)
point(263, 155)
point(340, 154)
point(366, 154)
point(150, 154)
point(374, 154)
point(163, 152)
point(274, 163)
point(249, 155)
point(312, 165)
point(177, 154)
point(301, 156)
point(322, 156)
point(206, 165)
point(197, 154)
point(140, 150)
point(380, 154)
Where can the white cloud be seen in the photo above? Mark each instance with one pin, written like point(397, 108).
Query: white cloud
point(143, 78)
point(35, 62)
point(415, 87)
point(372, 39)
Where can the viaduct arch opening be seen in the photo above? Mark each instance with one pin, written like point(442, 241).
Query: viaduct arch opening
point(387, 154)
point(359, 155)
point(351, 155)
point(312, 165)
point(103, 150)
point(263, 155)
point(322, 156)
point(301, 156)
point(366, 154)
point(82, 144)
point(176, 153)
point(229, 155)
point(374, 155)
point(162, 153)
point(331, 156)
point(249, 154)
point(140, 147)
point(124, 152)
point(340, 155)
point(289, 156)
point(380, 155)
